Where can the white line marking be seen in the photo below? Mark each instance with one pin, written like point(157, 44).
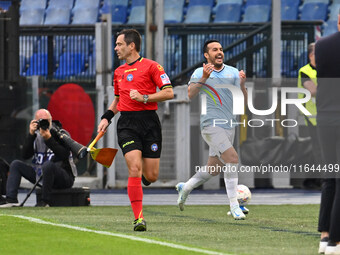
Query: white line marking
point(134, 238)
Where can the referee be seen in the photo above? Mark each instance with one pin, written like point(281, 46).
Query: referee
point(138, 128)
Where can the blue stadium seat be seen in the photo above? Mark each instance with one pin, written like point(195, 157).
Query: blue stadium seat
point(42, 45)
point(334, 11)
point(257, 13)
point(137, 15)
point(27, 46)
point(85, 16)
point(78, 44)
point(201, 3)
point(287, 64)
point(330, 27)
point(258, 2)
point(289, 12)
point(22, 65)
point(32, 17)
point(109, 4)
point(173, 14)
point(5, 5)
point(295, 3)
point(136, 3)
point(314, 11)
point(37, 65)
point(86, 4)
point(315, 1)
point(70, 64)
point(173, 3)
point(58, 16)
point(118, 14)
point(198, 14)
point(227, 13)
point(303, 59)
point(32, 4)
point(59, 4)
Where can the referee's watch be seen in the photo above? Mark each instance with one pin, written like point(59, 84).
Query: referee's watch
point(146, 98)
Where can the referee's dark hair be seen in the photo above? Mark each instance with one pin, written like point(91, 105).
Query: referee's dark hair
point(131, 35)
point(205, 46)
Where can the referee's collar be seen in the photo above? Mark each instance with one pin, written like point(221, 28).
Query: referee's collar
point(140, 58)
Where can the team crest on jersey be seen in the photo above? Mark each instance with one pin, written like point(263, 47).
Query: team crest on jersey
point(154, 147)
point(160, 68)
point(165, 79)
point(129, 77)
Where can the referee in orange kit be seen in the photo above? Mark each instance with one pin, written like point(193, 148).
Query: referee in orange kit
point(138, 128)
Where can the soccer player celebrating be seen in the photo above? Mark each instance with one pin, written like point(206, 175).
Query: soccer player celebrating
point(138, 128)
point(219, 137)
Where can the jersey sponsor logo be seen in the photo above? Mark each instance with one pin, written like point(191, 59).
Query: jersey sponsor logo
point(165, 79)
point(160, 68)
point(130, 70)
point(154, 147)
point(129, 77)
point(128, 143)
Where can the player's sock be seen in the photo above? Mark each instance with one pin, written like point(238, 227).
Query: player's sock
point(135, 193)
point(231, 180)
point(197, 179)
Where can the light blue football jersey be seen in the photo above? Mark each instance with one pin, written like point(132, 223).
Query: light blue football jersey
point(215, 111)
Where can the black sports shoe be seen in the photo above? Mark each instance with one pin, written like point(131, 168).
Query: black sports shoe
point(145, 181)
point(42, 203)
point(8, 202)
point(140, 225)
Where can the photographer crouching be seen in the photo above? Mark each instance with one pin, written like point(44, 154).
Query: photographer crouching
point(52, 159)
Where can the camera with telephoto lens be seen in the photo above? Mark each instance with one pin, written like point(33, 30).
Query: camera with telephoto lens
point(43, 124)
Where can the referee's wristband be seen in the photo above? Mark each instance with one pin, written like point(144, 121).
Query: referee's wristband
point(108, 115)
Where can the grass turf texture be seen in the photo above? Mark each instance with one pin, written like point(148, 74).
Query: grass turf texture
point(275, 229)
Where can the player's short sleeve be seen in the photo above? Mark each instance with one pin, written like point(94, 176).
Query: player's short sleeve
point(196, 76)
point(115, 84)
point(159, 77)
point(237, 78)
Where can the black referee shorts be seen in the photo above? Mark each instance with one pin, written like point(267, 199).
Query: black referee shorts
point(140, 131)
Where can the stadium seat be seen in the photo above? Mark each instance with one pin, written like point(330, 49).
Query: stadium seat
point(32, 17)
point(137, 15)
point(198, 14)
point(85, 16)
point(22, 65)
point(227, 13)
point(314, 11)
point(59, 4)
point(258, 2)
point(201, 3)
point(27, 46)
point(118, 14)
point(257, 13)
point(86, 4)
point(330, 27)
point(173, 3)
point(109, 4)
point(173, 14)
point(70, 64)
point(334, 11)
point(287, 64)
point(136, 3)
point(32, 4)
point(303, 59)
point(315, 1)
point(42, 46)
point(37, 64)
point(290, 2)
point(78, 44)
point(289, 12)
point(58, 16)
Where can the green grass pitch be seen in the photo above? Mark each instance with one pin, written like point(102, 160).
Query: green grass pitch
point(274, 229)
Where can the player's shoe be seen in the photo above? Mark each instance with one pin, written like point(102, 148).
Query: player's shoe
point(323, 244)
point(8, 202)
point(182, 195)
point(140, 225)
point(244, 209)
point(332, 248)
point(145, 181)
point(237, 213)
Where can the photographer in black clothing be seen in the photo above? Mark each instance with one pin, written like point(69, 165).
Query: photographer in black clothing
point(327, 58)
point(52, 159)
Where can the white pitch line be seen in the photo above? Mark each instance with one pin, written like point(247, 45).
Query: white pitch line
point(134, 238)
